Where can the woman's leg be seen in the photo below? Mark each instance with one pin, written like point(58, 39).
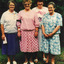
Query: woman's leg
point(13, 57)
point(31, 56)
point(8, 58)
point(36, 55)
point(53, 59)
point(47, 60)
point(26, 57)
point(43, 55)
point(44, 58)
point(14, 62)
point(36, 58)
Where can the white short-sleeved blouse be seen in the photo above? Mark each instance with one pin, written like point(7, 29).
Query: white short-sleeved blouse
point(8, 19)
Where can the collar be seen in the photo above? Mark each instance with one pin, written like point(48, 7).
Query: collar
point(12, 12)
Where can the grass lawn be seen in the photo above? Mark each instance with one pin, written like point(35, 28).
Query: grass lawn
point(20, 58)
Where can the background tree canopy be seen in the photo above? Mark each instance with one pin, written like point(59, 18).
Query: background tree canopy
point(19, 6)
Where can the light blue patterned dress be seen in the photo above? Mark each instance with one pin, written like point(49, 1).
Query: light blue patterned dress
point(40, 14)
point(52, 44)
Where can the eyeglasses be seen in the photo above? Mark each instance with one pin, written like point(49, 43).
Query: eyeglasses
point(11, 5)
point(39, 4)
point(50, 7)
point(26, 4)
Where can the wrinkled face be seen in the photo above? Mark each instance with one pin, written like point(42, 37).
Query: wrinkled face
point(27, 5)
point(39, 4)
point(51, 9)
point(11, 6)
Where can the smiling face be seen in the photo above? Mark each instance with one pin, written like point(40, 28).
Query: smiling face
point(11, 6)
point(51, 9)
point(27, 5)
point(40, 5)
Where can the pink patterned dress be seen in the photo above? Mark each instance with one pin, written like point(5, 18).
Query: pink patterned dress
point(29, 21)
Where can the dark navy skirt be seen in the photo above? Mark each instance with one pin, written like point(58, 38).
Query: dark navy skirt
point(12, 46)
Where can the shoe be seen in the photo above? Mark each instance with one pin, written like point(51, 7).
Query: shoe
point(31, 62)
point(36, 60)
point(44, 59)
point(14, 62)
point(25, 63)
point(8, 63)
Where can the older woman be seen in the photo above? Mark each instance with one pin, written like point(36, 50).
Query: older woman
point(51, 29)
point(40, 10)
point(10, 45)
point(28, 30)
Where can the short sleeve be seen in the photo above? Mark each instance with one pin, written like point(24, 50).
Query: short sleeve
point(34, 9)
point(42, 22)
point(2, 19)
point(19, 16)
point(18, 19)
point(59, 20)
point(46, 10)
point(36, 20)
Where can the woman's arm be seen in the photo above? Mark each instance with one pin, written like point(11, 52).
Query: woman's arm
point(43, 31)
point(54, 31)
point(19, 32)
point(36, 24)
point(18, 27)
point(36, 31)
point(3, 34)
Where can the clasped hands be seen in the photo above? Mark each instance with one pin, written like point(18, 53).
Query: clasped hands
point(48, 35)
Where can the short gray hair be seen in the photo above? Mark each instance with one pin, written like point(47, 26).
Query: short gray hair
point(11, 1)
point(52, 3)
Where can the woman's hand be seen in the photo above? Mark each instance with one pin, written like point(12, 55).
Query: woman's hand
point(50, 35)
point(3, 36)
point(54, 31)
point(19, 34)
point(36, 34)
point(45, 35)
